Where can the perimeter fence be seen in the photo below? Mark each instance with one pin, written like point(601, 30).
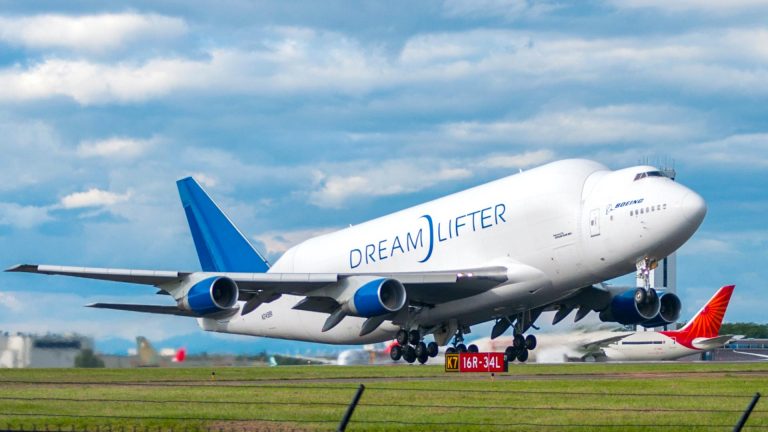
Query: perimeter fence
point(250, 406)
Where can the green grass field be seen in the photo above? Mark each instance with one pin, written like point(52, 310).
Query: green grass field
point(579, 397)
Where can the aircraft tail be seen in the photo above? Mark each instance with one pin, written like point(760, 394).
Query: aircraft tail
point(180, 356)
point(707, 321)
point(147, 356)
point(220, 246)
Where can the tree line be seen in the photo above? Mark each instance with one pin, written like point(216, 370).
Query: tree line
point(749, 330)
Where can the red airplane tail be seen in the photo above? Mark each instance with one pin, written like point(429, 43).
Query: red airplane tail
point(707, 321)
point(181, 354)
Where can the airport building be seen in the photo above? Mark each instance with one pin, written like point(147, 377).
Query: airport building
point(21, 350)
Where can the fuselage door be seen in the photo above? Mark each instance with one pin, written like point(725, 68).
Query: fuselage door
point(594, 222)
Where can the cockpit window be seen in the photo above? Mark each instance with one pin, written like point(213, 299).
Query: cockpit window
point(648, 174)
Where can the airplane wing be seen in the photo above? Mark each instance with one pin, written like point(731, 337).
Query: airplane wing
point(163, 310)
point(597, 344)
point(426, 288)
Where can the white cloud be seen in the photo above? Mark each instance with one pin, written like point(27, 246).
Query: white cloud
point(584, 126)
point(89, 33)
point(90, 83)
point(32, 154)
point(741, 150)
point(710, 6)
point(712, 244)
point(93, 198)
point(20, 216)
point(278, 242)
point(401, 176)
point(508, 9)
point(295, 60)
point(524, 160)
point(388, 178)
point(707, 246)
point(206, 180)
point(115, 147)
point(8, 300)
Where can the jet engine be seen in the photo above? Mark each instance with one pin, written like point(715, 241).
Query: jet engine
point(633, 306)
point(374, 298)
point(377, 297)
point(669, 311)
point(215, 294)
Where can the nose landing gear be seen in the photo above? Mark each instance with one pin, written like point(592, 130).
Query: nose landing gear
point(645, 293)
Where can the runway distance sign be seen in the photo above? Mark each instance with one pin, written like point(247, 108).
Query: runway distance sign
point(475, 362)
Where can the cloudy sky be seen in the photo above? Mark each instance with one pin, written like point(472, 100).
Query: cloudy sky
point(303, 117)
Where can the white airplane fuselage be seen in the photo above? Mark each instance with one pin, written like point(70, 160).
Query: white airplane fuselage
point(558, 228)
point(647, 346)
point(577, 346)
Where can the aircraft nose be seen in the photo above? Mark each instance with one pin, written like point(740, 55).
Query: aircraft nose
point(693, 207)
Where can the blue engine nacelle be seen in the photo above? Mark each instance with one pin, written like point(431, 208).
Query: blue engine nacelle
point(669, 311)
point(632, 306)
point(211, 295)
point(377, 297)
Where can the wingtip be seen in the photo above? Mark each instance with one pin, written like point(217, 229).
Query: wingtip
point(22, 268)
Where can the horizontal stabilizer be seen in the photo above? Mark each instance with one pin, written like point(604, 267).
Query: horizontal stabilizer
point(713, 342)
point(164, 310)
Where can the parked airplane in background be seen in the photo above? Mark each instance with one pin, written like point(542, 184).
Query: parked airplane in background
point(147, 356)
point(371, 354)
point(558, 347)
point(701, 333)
point(505, 251)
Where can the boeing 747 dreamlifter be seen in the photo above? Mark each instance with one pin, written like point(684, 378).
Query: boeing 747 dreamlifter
point(506, 251)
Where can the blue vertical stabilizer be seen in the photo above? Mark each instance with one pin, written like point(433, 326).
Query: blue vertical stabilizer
point(221, 247)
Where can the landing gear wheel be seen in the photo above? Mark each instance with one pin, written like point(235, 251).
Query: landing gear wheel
point(530, 342)
point(414, 337)
point(409, 354)
point(522, 356)
point(640, 296)
point(396, 352)
point(519, 341)
point(423, 357)
point(432, 349)
point(450, 350)
point(473, 348)
point(421, 349)
point(402, 337)
point(510, 354)
point(461, 348)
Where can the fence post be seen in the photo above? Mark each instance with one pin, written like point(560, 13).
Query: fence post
point(351, 409)
point(747, 412)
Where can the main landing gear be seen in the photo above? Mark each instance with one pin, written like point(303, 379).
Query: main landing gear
point(411, 347)
point(521, 345)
